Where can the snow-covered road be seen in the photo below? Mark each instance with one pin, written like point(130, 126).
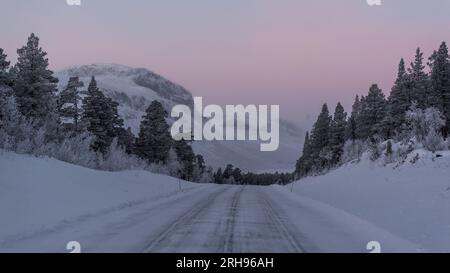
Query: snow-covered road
point(208, 218)
point(227, 219)
point(213, 218)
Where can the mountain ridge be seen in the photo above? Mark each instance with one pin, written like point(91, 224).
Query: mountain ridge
point(135, 88)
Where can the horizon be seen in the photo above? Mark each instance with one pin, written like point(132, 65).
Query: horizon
point(268, 53)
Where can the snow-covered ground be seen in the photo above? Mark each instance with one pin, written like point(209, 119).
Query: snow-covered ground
point(45, 203)
point(42, 197)
point(410, 201)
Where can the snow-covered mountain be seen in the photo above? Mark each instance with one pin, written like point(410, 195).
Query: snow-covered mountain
point(135, 88)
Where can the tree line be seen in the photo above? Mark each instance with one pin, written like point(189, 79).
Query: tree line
point(417, 110)
point(33, 115)
point(235, 176)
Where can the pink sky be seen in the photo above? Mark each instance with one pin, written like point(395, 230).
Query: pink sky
point(295, 53)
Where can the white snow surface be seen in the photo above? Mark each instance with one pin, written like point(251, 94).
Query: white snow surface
point(410, 201)
point(45, 203)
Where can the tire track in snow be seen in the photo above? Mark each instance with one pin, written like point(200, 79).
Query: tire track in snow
point(284, 229)
point(163, 239)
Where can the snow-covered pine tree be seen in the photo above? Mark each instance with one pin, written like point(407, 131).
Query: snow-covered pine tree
point(199, 168)
point(337, 133)
point(154, 140)
point(320, 138)
point(227, 172)
point(68, 104)
point(126, 139)
point(304, 163)
point(101, 118)
point(186, 158)
point(419, 80)
point(5, 78)
point(35, 86)
point(5, 90)
point(373, 111)
point(399, 102)
point(350, 131)
point(237, 175)
point(439, 95)
point(115, 121)
point(218, 176)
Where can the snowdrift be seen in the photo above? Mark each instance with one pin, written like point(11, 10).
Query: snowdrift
point(411, 200)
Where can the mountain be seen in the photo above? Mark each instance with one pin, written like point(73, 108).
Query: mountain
point(135, 88)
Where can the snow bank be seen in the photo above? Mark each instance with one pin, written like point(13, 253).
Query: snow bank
point(41, 194)
point(410, 201)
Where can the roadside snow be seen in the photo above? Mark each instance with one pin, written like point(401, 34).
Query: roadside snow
point(42, 195)
point(410, 201)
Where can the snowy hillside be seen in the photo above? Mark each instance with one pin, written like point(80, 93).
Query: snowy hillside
point(411, 201)
point(135, 88)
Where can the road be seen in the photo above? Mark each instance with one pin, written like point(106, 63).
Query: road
point(229, 219)
point(213, 218)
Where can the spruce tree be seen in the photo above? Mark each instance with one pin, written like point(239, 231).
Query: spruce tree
point(68, 103)
point(101, 118)
point(373, 111)
point(304, 163)
point(399, 101)
point(5, 78)
point(350, 132)
point(154, 140)
point(126, 139)
point(5, 90)
point(320, 138)
point(218, 176)
point(35, 86)
point(186, 158)
point(228, 172)
point(439, 95)
point(237, 175)
point(337, 129)
point(420, 81)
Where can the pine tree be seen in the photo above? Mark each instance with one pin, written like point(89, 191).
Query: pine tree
point(101, 118)
point(5, 78)
point(337, 129)
point(399, 101)
point(126, 139)
point(304, 163)
point(350, 132)
point(218, 176)
point(237, 175)
point(439, 95)
point(68, 103)
point(5, 90)
point(186, 158)
point(420, 81)
point(154, 140)
point(373, 111)
point(35, 86)
point(200, 164)
point(320, 138)
point(228, 172)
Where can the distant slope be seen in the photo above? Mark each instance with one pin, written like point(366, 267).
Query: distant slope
point(135, 88)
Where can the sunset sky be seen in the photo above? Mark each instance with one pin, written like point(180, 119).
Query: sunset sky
point(296, 53)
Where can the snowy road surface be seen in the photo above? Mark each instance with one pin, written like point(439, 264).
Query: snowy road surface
point(228, 219)
point(212, 218)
